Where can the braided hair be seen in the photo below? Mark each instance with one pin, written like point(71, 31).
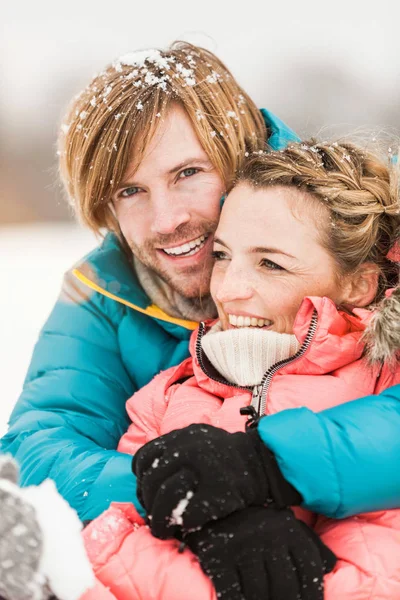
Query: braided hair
point(358, 191)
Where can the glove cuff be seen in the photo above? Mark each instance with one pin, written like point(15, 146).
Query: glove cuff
point(280, 490)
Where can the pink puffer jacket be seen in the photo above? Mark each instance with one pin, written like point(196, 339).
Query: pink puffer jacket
point(134, 565)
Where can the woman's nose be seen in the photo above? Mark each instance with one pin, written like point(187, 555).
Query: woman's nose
point(234, 286)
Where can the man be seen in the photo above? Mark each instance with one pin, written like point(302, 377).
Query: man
point(147, 152)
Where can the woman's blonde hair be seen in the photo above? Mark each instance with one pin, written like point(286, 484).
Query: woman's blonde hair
point(358, 189)
point(119, 112)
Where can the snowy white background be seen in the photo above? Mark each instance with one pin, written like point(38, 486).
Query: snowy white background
point(33, 259)
point(312, 62)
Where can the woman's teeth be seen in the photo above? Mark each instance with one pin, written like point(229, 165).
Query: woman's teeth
point(240, 321)
point(189, 248)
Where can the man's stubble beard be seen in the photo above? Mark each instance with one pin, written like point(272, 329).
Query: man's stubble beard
point(199, 275)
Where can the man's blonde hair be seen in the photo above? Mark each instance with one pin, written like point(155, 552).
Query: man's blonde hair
point(121, 108)
point(359, 191)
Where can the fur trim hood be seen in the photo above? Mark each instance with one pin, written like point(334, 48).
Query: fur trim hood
point(382, 336)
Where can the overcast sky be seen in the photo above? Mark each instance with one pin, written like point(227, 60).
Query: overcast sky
point(47, 45)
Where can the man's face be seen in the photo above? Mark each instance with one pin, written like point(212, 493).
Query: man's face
point(169, 209)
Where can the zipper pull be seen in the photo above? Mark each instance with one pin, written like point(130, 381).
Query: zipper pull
point(256, 397)
point(253, 419)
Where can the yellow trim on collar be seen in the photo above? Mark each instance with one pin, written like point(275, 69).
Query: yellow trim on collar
point(152, 310)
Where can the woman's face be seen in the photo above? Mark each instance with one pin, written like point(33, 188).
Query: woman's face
point(268, 257)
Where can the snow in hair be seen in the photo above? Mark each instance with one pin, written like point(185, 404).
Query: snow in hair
point(110, 124)
point(356, 189)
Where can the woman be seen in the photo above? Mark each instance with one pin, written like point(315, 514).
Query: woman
point(301, 257)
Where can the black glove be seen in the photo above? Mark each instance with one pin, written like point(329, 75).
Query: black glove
point(262, 553)
point(202, 473)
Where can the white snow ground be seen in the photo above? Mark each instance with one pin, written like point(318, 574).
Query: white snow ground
point(33, 259)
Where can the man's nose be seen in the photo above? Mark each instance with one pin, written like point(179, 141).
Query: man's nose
point(168, 214)
point(234, 286)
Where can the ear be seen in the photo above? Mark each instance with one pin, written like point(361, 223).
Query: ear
point(360, 288)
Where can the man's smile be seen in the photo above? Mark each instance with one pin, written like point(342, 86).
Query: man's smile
point(187, 248)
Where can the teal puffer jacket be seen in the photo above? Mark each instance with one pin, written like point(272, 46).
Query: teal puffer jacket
point(104, 340)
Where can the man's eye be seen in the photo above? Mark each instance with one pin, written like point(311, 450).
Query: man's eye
point(188, 173)
point(218, 255)
point(128, 192)
point(271, 265)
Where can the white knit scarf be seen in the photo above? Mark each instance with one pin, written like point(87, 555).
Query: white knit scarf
point(243, 355)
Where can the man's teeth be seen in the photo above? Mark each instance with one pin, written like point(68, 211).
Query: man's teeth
point(240, 321)
point(189, 248)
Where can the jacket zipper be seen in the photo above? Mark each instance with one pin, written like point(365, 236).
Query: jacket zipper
point(202, 328)
point(260, 391)
point(259, 400)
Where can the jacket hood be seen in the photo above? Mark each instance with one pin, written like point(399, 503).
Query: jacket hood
point(382, 336)
point(337, 341)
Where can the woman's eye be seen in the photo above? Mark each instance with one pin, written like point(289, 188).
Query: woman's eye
point(188, 173)
point(218, 255)
point(271, 265)
point(128, 192)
